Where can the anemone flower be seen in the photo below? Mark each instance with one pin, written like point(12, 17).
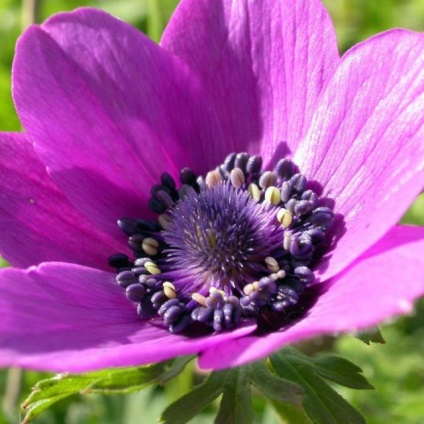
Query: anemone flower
point(255, 176)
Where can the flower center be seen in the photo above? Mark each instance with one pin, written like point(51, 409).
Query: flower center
point(238, 244)
point(220, 237)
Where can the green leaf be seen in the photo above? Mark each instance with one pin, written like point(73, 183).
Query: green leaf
point(236, 402)
point(415, 214)
point(189, 405)
point(174, 369)
point(290, 413)
point(274, 387)
point(119, 380)
point(322, 404)
point(341, 371)
point(372, 335)
point(296, 380)
point(38, 407)
point(333, 368)
point(235, 405)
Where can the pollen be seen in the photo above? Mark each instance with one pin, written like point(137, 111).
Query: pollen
point(272, 264)
point(254, 192)
point(237, 177)
point(150, 246)
point(152, 268)
point(213, 178)
point(199, 298)
point(273, 195)
point(169, 290)
point(284, 217)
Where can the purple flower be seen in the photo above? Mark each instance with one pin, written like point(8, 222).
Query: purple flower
point(118, 128)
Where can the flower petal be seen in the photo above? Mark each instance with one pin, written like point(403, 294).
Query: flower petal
point(63, 317)
point(365, 145)
point(108, 111)
point(379, 285)
point(264, 65)
point(37, 222)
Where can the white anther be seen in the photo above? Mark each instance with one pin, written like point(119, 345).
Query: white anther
point(168, 284)
point(169, 290)
point(164, 220)
point(248, 289)
point(273, 276)
point(254, 192)
point(199, 298)
point(281, 274)
point(255, 285)
point(284, 217)
point(272, 264)
point(287, 240)
point(237, 177)
point(152, 268)
point(212, 290)
point(215, 290)
point(150, 246)
point(267, 179)
point(213, 178)
point(273, 195)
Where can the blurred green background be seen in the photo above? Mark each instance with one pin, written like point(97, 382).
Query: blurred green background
point(396, 369)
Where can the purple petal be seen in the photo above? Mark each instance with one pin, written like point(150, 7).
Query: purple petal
point(108, 111)
point(365, 145)
point(63, 317)
point(263, 63)
point(37, 222)
point(382, 283)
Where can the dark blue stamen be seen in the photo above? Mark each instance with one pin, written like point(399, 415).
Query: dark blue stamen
point(118, 260)
point(241, 161)
point(158, 299)
point(229, 161)
point(220, 312)
point(298, 183)
point(236, 244)
point(187, 176)
point(157, 205)
point(145, 309)
point(254, 164)
point(135, 241)
point(126, 278)
point(135, 292)
point(285, 169)
point(168, 181)
point(286, 190)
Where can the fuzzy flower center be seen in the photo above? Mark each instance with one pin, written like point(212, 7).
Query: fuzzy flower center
point(236, 244)
point(220, 237)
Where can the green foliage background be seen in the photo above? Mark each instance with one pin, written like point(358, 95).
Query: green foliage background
point(396, 369)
